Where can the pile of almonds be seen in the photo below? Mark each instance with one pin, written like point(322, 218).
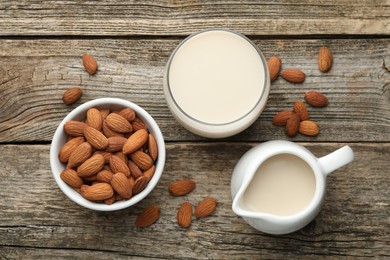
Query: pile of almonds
point(110, 157)
point(297, 120)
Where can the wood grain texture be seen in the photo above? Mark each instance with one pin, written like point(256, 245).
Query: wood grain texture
point(35, 73)
point(37, 220)
point(116, 17)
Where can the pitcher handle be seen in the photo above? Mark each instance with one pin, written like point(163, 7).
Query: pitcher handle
point(335, 160)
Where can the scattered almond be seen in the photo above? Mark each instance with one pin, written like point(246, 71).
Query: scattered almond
point(181, 187)
point(71, 95)
point(325, 59)
point(316, 99)
point(309, 128)
point(205, 208)
point(292, 125)
point(293, 75)
point(90, 64)
point(281, 118)
point(274, 67)
point(301, 110)
point(148, 216)
point(184, 215)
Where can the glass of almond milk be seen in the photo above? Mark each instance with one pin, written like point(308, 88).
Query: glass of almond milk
point(216, 83)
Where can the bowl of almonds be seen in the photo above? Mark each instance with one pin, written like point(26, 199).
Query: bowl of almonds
point(107, 154)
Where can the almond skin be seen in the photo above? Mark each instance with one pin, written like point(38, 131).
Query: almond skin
point(118, 165)
point(104, 113)
point(293, 75)
point(123, 157)
point(292, 125)
point(108, 132)
point(91, 166)
point(149, 172)
point(309, 128)
point(71, 178)
point(205, 208)
point(80, 155)
point(67, 149)
point(94, 118)
point(127, 113)
point(325, 59)
point(138, 124)
point(316, 99)
point(118, 123)
point(121, 185)
point(181, 187)
point(148, 216)
point(104, 176)
point(74, 128)
point(135, 141)
point(152, 146)
point(115, 144)
point(90, 64)
point(135, 171)
point(301, 110)
point(97, 192)
point(184, 215)
point(95, 138)
point(142, 160)
point(71, 95)
point(280, 119)
point(274, 67)
point(140, 184)
point(105, 154)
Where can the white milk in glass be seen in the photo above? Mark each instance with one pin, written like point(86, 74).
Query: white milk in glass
point(216, 77)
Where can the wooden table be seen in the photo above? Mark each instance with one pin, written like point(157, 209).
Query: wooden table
point(40, 57)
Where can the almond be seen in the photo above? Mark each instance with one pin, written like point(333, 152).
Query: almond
point(121, 185)
point(127, 113)
point(281, 118)
point(292, 125)
point(301, 110)
point(293, 75)
point(71, 178)
point(115, 144)
point(92, 178)
point(142, 159)
point(94, 118)
point(135, 171)
point(325, 59)
point(71, 95)
point(274, 67)
point(140, 184)
point(316, 99)
point(67, 149)
point(118, 123)
point(152, 145)
point(309, 128)
point(104, 113)
point(118, 165)
point(104, 176)
point(105, 154)
point(205, 208)
point(184, 215)
point(138, 124)
point(90, 64)
point(181, 187)
point(110, 201)
point(148, 216)
point(131, 181)
point(80, 155)
point(96, 192)
point(74, 128)
point(91, 166)
point(95, 138)
point(122, 156)
point(149, 172)
point(108, 132)
point(135, 141)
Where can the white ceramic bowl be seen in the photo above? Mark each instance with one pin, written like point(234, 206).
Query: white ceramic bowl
point(79, 113)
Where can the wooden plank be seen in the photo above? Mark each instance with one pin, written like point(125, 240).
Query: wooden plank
point(35, 73)
point(35, 215)
point(27, 17)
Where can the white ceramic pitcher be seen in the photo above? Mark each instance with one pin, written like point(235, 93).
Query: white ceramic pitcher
point(251, 161)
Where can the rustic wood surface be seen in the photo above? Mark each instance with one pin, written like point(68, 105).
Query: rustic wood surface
point(40, 56)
